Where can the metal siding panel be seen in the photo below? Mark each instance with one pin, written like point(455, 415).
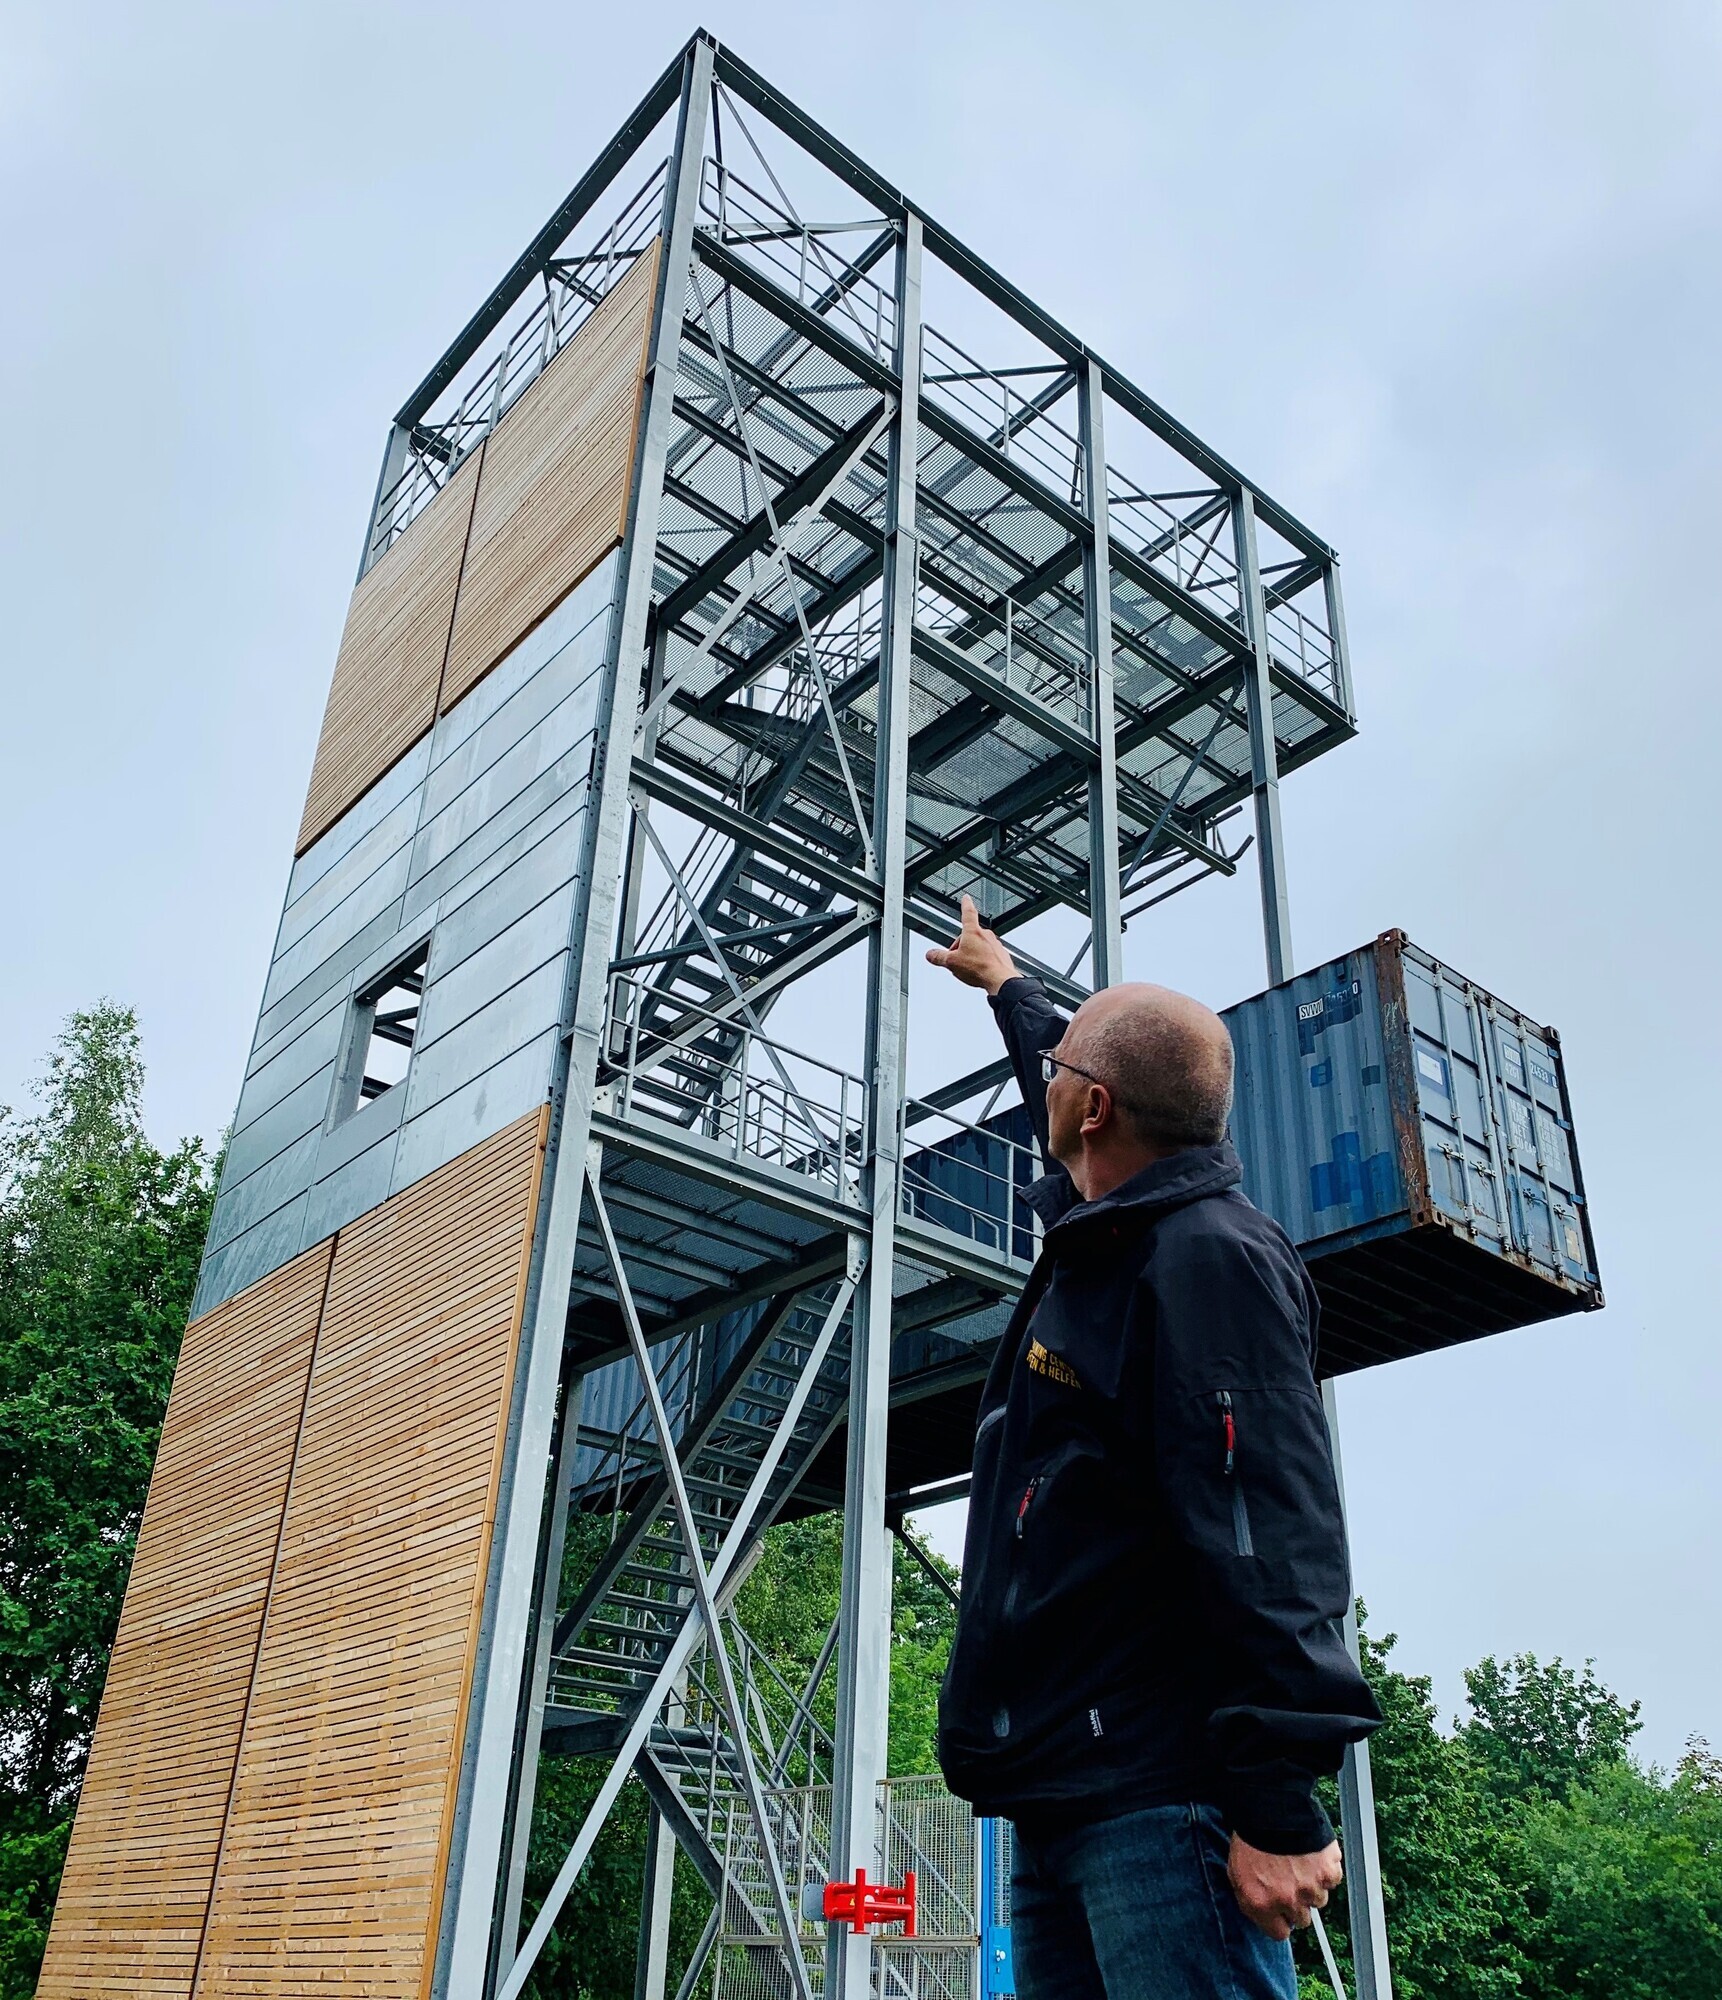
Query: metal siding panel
point(547, 803)
point(332, 973)
point(367, 900)
point(351, 1188)
point(567, 647)
point(316, 1044)
point(303, 1110)
point(472, 1113)
point(399, 782)
point(359, 1131)
point(475, 911)
point(243, 1204)
point(241, 1263)
point(554, 712)
point(455, 994)
point(481, 1041)
point(563, 742)
point(395, 831)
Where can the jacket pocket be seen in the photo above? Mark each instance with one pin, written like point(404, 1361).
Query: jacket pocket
point(1233, 1478)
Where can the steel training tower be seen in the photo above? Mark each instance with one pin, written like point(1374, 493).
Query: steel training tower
point(756, 573)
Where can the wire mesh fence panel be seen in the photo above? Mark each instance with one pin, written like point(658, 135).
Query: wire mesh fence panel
point(921, 1830)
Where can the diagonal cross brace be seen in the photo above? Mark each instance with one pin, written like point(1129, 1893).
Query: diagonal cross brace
point(781, 534)
point(703, 1620)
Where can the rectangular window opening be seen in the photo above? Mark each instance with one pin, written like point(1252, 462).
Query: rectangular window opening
point(386, 1027)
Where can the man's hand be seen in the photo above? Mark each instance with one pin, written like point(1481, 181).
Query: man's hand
point(1277, 1892)
point(975, 956)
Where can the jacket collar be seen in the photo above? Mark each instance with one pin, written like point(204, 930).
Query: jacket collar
point(1168, 1183)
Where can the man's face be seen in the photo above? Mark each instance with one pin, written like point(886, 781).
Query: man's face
point(1067, 1101)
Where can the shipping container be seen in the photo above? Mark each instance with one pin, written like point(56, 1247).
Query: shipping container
point(1413, 1136)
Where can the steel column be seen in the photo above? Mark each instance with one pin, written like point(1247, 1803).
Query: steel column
point(532, 1722)
point(652, 1960)
point(1104, 898)
point(394, 464)
point(1364, 1899)
point(863, 1687)
point(470, 1938)
point(1264, 754)
point(1336, 634)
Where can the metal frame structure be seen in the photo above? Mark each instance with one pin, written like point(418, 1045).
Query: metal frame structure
point(890, 626)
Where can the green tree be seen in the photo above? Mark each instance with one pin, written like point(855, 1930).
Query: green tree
point(1539, 1730)
point(100, 1236)
point(1453, 1907)
point(1624, 1885)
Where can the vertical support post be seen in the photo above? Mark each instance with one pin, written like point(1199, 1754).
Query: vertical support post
point(394, 464)
point(468, 1946)
point(1106, 962)
point(1264, 757)
point(1336, 634)
point(652, 1960)
point(1364, 1898)
point(863, 1685)
point(519, 1838)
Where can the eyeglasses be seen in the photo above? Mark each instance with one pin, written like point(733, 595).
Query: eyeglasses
point(1050, 1066)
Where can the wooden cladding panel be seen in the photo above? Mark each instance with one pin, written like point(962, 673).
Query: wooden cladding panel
point(143, 1851)
point(384, 694)
point(554, 495)
point(331, 1872)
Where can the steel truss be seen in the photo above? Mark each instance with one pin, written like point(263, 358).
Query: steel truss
point(890, 628)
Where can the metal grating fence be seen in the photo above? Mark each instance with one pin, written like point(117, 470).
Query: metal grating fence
point(921, 1827)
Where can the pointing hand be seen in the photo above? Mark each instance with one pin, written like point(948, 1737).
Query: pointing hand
point(975, 956)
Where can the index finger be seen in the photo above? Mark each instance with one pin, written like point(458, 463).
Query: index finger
point(971, 916)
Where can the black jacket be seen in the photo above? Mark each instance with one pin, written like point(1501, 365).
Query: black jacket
point(1155, 1571)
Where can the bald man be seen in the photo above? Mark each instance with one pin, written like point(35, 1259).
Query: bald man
point(1149, 1673)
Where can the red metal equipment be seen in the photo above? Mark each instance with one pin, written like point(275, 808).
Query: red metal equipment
point(861, 1903)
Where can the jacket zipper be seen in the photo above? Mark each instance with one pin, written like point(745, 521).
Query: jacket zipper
point(1025, 1503)
point(1240, 1512)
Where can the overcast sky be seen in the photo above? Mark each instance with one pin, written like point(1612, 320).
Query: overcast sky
point(1444, 281)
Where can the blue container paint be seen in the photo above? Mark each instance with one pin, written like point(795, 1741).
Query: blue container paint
point(1413, 1136)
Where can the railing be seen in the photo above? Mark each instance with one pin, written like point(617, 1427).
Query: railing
point(799, 258)
point(990, 402)
point(1027, 652)
point(573, 289)
point(972, 1181)
point(748, 1094)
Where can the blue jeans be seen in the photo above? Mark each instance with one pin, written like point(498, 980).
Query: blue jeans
point(1138, 1908)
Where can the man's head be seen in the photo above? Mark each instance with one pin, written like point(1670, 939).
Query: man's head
point(1142, 1073)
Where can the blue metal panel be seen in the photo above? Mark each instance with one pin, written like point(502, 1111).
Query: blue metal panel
point(1385, 1094)
point(1313, 1119)
point(998, 1965)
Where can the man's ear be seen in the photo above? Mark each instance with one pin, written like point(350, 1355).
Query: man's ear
point(1099, 1108)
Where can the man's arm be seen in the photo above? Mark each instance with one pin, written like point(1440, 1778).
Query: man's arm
point(1027, 1019)
point(1246, 1471)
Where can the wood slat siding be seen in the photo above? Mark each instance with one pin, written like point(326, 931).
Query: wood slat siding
point(554, 495)
point(331, 1870)
point(384, 694)
point(143, 1850)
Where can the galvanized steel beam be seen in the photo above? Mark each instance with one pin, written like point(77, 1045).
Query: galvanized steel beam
point(863, 1690)
point(471, 1945)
